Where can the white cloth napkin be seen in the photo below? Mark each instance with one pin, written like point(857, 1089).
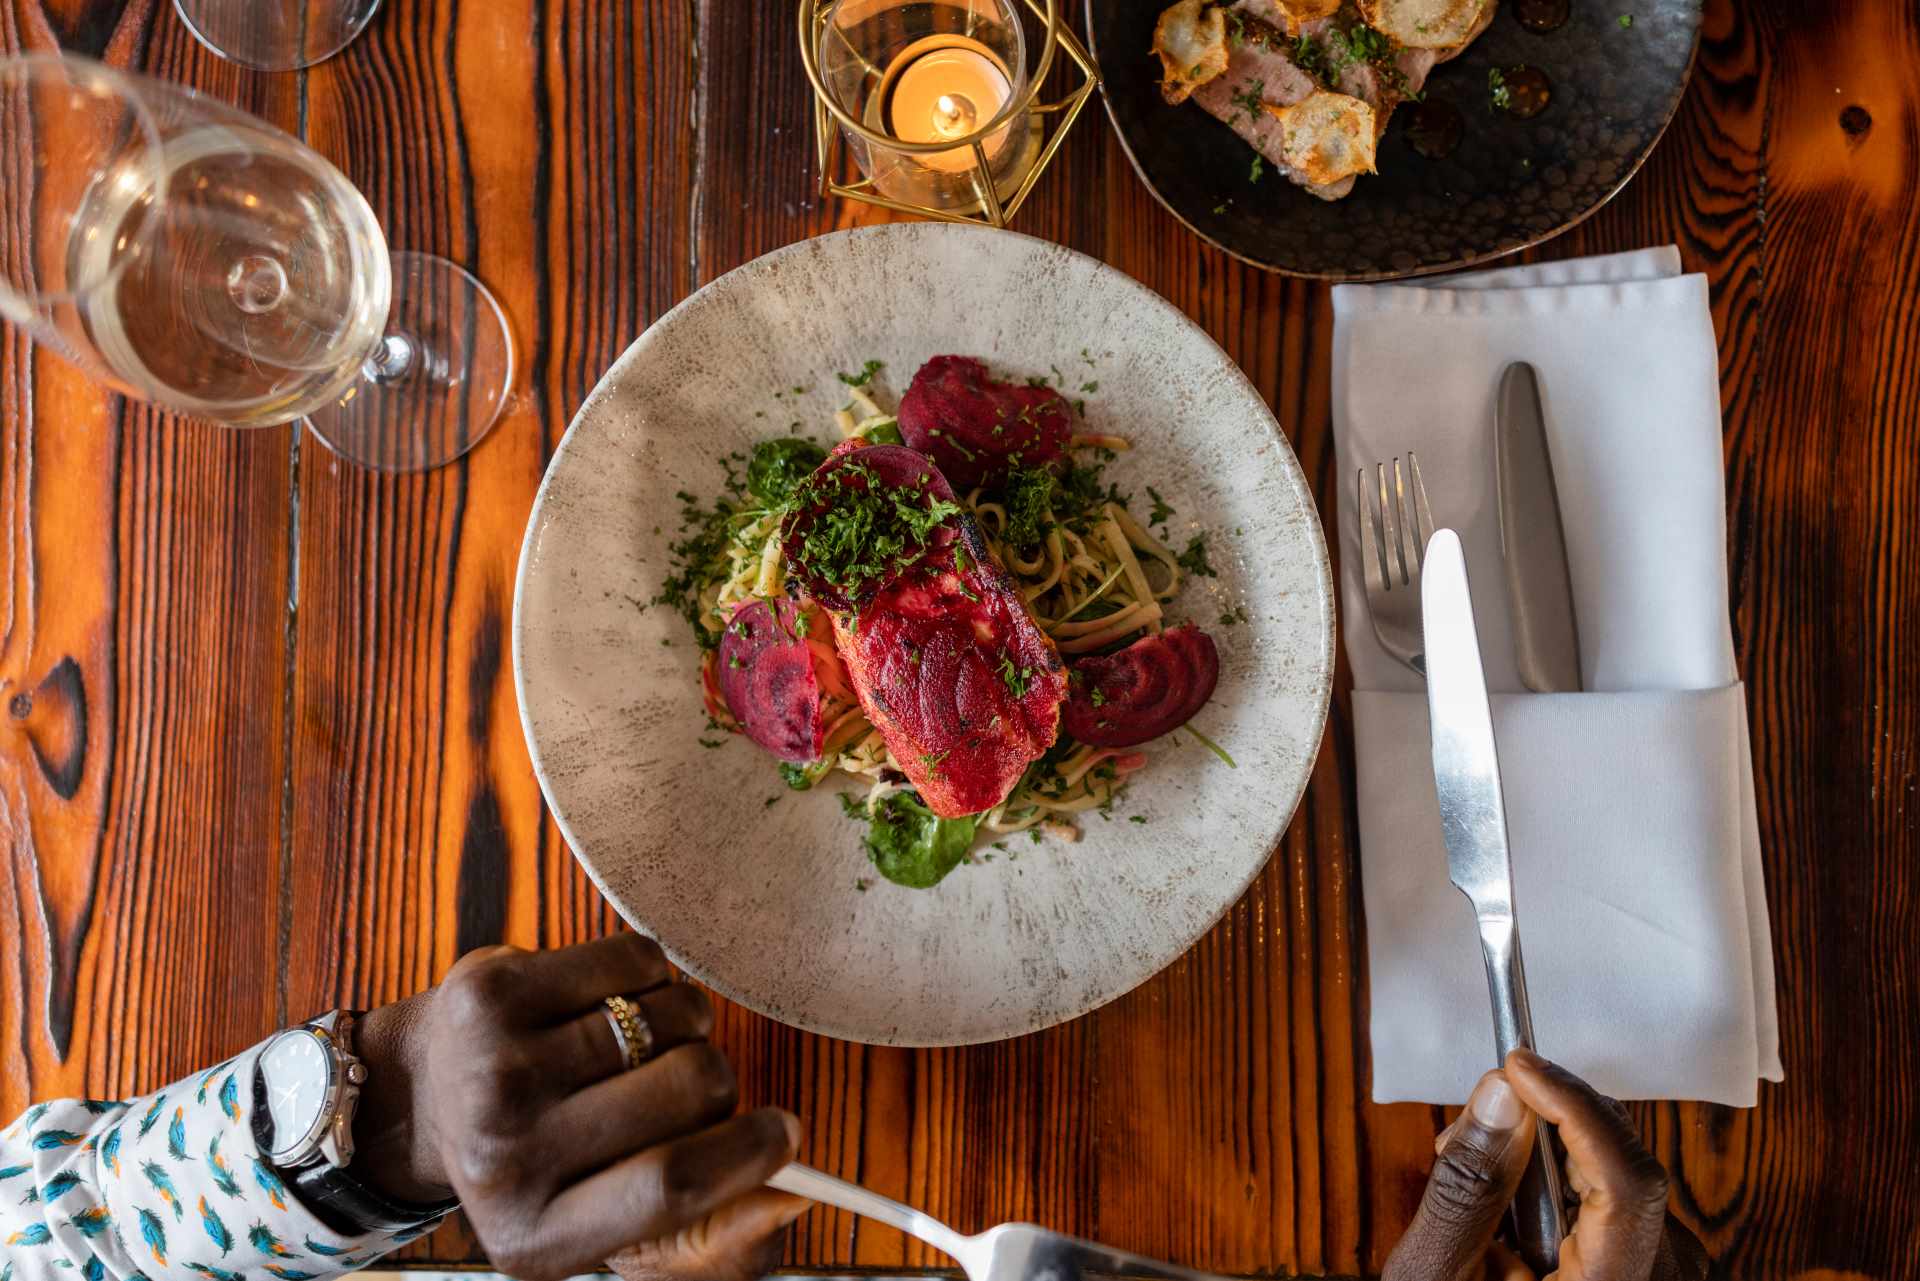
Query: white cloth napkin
point(1631, 807)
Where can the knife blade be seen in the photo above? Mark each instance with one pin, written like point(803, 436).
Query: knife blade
point(1546, 640)
point(1473, 826)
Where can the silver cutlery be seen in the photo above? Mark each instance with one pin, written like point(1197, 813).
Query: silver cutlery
point(1010, 1252)
point(1473, 823)
point(1546, 644)
point(1395, 524)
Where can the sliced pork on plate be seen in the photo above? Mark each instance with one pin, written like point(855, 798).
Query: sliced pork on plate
point(1310, 84)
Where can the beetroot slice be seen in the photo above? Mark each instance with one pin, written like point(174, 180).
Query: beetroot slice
point(766, 674)
point(977, 428)
point(1150, 688)
point(890, 467)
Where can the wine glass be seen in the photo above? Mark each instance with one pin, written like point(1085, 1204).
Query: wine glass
point(189, 254)
point(276, 35)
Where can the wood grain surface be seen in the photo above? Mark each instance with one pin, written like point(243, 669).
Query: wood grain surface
point(259, 751)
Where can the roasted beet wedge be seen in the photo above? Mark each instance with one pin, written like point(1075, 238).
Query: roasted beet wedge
point(1150, 688)
point(773, 668)
point(976, 428)
point(951, 669)
point(863, 518)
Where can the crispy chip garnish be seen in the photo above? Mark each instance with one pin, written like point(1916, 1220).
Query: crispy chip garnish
point(1327, 136)
point(1192, 43)
point(1288, 15)
point(1428, 24)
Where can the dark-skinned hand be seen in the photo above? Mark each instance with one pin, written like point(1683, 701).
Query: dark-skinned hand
point(1621, 1230)
point(507, 1085)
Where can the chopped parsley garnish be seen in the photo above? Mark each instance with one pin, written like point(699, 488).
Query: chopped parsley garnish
point(1136, 818)
point(1160, 508)
point(1028, 497)
point(1249, 98)
point(771, 801)
point(700, 554)
point(1626, 20)
point(1194, 559)
point(1016, 679)
point(858, 529)
point(1497, 89)
point(865, 376)
point(779, 465)
point(802, 777)
point(1359, 43)
point(1306, 56)
point(1232, 616)
point(1253, 174)
point(1098, 698)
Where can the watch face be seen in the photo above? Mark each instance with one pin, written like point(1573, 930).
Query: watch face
point(297, 1071)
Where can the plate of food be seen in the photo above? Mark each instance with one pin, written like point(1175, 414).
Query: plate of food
point(1369, 139)
point(925, 632)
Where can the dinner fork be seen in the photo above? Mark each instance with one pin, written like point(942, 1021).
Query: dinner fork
point(1010, 1252)
point(1395, 524)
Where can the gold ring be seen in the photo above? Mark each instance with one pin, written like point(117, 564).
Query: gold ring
point(631, 1030)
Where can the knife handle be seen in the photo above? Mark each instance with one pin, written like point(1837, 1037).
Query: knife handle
point(1539, 1208)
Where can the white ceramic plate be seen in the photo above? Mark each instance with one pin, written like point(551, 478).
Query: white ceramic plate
point(760, 900)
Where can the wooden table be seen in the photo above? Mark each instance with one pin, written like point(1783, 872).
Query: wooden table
point(259, 751)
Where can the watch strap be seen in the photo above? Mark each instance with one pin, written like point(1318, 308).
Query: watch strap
point(352, 1208)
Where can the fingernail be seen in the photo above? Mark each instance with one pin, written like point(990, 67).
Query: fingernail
point(794, 1211)
point(794, 1132)
point(1495, 1105)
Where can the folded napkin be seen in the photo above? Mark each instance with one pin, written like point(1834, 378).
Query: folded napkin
point(1631, 807)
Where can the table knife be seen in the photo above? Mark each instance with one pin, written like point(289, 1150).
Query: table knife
point(1546, 644)
point(1473, 824)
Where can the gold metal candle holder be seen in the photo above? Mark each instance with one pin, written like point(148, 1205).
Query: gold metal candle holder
point(986, 201)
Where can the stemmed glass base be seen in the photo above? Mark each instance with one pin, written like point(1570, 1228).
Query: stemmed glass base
point(277, 35)
point(436, 383)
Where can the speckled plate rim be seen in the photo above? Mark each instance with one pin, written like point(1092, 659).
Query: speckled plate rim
point(824, 1023)
point(1426, 269)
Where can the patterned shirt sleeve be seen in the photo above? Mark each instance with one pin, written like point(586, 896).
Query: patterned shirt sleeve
point(165, 1188)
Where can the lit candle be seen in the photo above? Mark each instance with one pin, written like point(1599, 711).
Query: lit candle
point(949, 92)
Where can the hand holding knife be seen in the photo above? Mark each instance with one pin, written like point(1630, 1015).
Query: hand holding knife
point(1473, 820)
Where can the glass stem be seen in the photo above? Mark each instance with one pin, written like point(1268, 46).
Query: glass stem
point(391, 360)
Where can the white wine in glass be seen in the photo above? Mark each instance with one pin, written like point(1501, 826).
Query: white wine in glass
point(194, 256)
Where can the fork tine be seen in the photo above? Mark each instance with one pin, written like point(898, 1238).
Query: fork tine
point(1423, 515)
point(1391, 554)
point(1411, 548)
point(1372, 568)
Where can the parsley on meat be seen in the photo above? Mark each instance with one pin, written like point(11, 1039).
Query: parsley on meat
point(1249, 98)
point(861, 531)
point(1016, 678)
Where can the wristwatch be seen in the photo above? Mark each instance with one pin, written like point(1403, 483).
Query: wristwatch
point(306, 1086)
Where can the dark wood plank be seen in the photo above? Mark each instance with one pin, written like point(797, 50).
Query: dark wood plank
point(142, 661)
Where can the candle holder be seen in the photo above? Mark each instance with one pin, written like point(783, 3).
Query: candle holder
point(935, 103)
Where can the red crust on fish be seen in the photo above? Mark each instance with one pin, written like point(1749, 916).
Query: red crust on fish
point(769, 677)
point(1150, 688)
point(975, 428)
point(926, 657)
